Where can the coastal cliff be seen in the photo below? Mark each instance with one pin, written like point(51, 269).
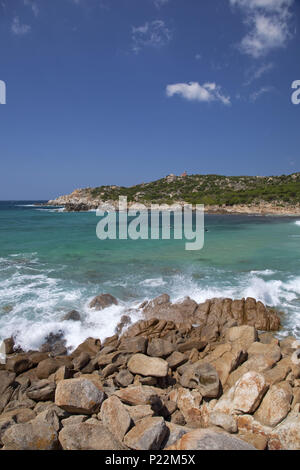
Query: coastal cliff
point(220, 194)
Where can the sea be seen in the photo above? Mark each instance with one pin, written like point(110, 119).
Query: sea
point(52, 262)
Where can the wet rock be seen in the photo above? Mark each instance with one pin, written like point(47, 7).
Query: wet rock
point(78, 396)
point(90, 346)
point(148, 366)
point(115, 417)
point(85, 436)
point(103, 301)
point(55, 344)
point(9, 344)
point(147, 434)
point(73, 315)
point(125, 321)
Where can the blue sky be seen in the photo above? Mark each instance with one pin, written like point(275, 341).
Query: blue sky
point(126, 91)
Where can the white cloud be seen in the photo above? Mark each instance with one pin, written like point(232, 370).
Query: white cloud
point(18, 28)
point(160, 3)
point(33, 6)
point(262, 91)
point(155, 34)
point(193, 91)
point(255, 73)
point(268, 22)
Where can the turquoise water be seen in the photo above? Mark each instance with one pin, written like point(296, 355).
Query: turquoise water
point(52, 262)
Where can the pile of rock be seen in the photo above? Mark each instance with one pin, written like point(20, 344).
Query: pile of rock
point(163, 384)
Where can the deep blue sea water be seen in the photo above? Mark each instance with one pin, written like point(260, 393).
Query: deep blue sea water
point(52, 262)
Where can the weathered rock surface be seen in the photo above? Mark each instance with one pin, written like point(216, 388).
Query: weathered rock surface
point(209, 439)
point(147, 434)
point(275, 405)
point(85, 436)
point(35, 435)
point(202, 376)
point(115, 417)
point(78, 396)
point(148, 366)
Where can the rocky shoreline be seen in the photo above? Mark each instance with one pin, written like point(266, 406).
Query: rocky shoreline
point(84, 204)
point(188, 376)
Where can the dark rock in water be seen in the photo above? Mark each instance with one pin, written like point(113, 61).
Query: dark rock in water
point(76, 207)
point(91, 346)
point(9, 345)
point(73, 315)
point(103, 301)
point(125, 321)
point(55, 344)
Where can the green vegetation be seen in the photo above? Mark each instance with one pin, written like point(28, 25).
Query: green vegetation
point(208, 190)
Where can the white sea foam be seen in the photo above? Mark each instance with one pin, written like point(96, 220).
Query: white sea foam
point(157, 282)
point(38, 301)
point(297, 222)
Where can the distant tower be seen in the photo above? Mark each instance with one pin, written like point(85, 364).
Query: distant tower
point(184, 174)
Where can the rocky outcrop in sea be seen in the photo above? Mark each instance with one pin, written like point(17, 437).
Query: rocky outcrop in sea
point(187, 376)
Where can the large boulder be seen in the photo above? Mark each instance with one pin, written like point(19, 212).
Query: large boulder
point(148, 366)
point(275, 405)
point(115, 417)
point(78, 396)
point(73, 315)
point(43, 390)
point(159, 347)
point(47, 367)
point(138, 395)
point(86, 436)
point(249, 392)
point(286, 436)
point(18, 363)
point(163, 309)
point(103, 301)
point(202, 376)
point(209, 439)
point(147, 434)
point(34, 435)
